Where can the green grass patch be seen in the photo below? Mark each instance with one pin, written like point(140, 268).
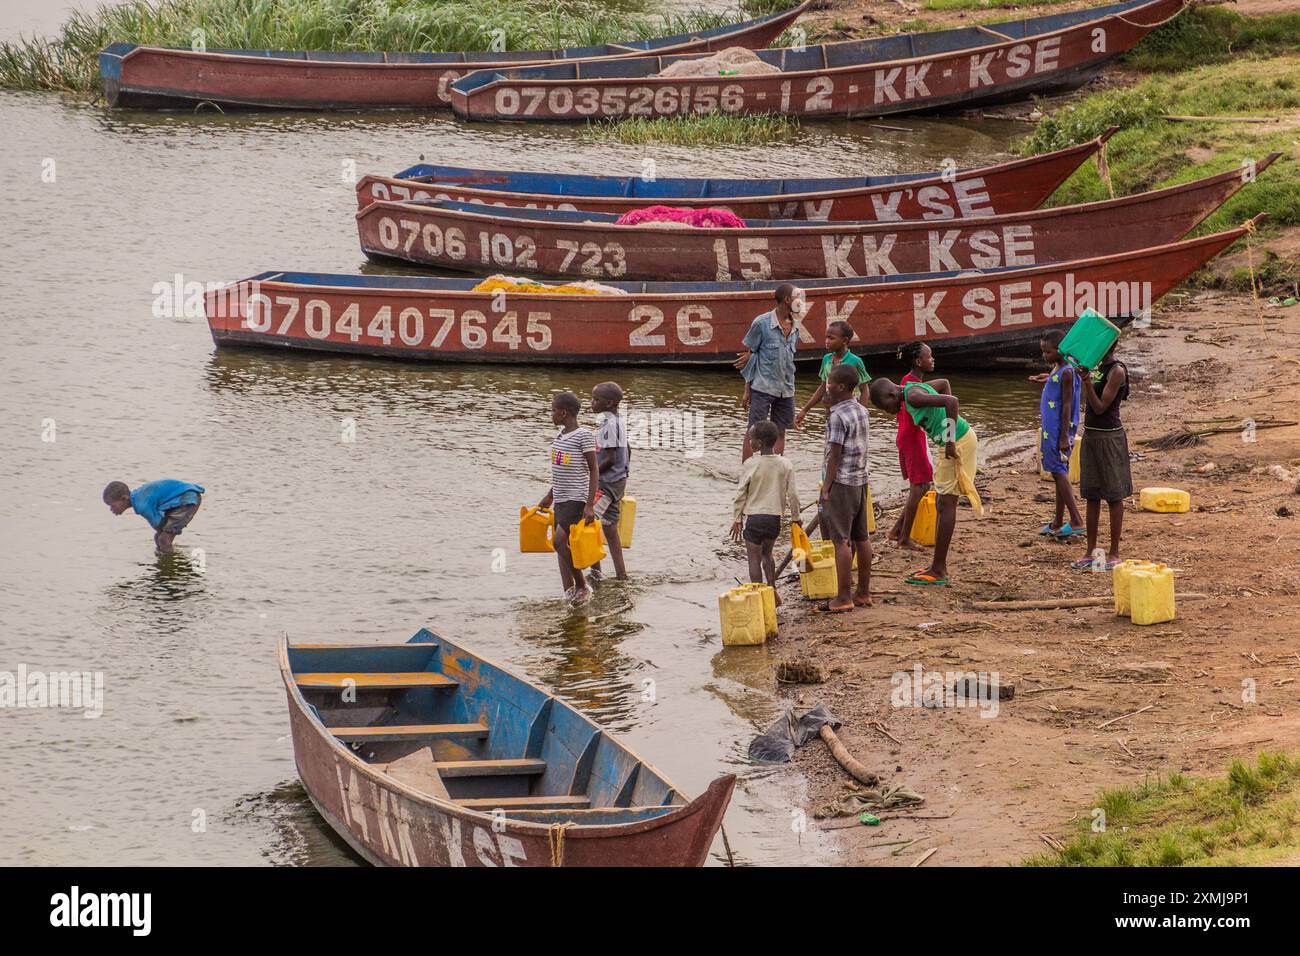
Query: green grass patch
point(1248, 817)
point(710, 129)
point(1205, 35)
point(1151, 152)
point(68, 61)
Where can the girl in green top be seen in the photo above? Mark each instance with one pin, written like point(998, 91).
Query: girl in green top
point(838, 337)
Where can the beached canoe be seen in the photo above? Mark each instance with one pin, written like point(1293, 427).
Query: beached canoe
point(972, 318)
point(903, 73)
point(425, 754)
point(152, 77)
point(469, 237)
point(1012, 186)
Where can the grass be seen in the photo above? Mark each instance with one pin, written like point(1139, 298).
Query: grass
point(68, 61)
point(710, 129)
point(1248, 817)
point(1151, 152)
point(1206, 35)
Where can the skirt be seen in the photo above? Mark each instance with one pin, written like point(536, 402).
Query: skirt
point(1103, 466)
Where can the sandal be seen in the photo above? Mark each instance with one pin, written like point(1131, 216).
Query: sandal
point(1064, 532)
point(920, 578)
point(1047, 529)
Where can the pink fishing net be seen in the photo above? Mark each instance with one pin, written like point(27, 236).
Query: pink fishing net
point(699, 218)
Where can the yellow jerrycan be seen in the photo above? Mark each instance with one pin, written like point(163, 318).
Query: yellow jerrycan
point(800, 546)
point(740, 613)
point(1164, 500)
point(626, 521)
point(1151, 595)
point(536, 530)
point(586, 543)
point(768, 594)
point(924, 522)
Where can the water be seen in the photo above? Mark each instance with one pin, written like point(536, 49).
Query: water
point(304, 533)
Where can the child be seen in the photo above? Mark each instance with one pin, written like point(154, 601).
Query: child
point(838, 336)
point(1059, 411)
point(168, 505)
point(766, 486)
point(613, 456)
point(574, 481)
point(913, 449)
point(843, 502)
point(1103, 459)
point(933, 407)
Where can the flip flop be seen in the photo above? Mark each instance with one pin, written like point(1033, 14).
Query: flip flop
point(1047, 529)
point(1062, 533)
point(1083, 564)
point(925, 579)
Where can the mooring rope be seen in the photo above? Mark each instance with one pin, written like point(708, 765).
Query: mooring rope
point(555, 836)
point(1103, 169)
point(1152, 26)
point(1251, 231)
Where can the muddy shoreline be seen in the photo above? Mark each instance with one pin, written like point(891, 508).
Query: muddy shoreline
point(1008, 780)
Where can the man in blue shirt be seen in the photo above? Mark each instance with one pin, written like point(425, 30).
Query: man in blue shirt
point(168, 505)
point(768, 367)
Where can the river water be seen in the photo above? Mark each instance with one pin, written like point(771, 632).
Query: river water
point(330, 539)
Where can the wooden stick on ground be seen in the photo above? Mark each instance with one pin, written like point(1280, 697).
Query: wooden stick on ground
point(1222, 119)
point(1054, 604)
point(925, 856)
point(846, 760)
point(1113, 720)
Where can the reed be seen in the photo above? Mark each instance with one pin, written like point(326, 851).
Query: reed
point(68, 61)
point(710, 129)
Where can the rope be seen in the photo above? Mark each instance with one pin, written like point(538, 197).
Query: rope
point(1251, 231)
point(555, 836)
point(726, 845)
point(1103, 169)
point(1151, 26)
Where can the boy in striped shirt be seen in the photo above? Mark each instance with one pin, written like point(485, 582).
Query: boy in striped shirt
point(574, 482)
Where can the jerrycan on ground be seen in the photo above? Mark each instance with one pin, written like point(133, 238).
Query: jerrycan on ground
point(1089, 339)
point(768, 594)
point(740, 614)
point(1120, 579)
point(536, 530)
point(924, 522)
point(1151, 594)
point(586, 543)
point(822, 581)
point(871, 512)
point(1164, 500)
point(626, 521)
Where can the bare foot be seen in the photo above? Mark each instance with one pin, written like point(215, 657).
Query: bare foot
point(907, 544)
point(862, 600)
point(836, 607)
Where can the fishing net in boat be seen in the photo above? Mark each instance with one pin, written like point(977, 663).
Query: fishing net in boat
point(709, 218)
point(734, 60)
point(502, 283)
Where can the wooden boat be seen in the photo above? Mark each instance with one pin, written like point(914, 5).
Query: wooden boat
point(904, 73)
point(972, 318)
point(581, 245)
point(1013, 186)
point(425, 754)
point(152, 77)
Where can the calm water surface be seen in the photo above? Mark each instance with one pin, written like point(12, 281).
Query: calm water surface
point(327, 540)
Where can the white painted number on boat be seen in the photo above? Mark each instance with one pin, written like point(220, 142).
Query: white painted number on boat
point(693, 326)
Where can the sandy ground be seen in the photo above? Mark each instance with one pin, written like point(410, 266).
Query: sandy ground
point(1006, 780)
point(851, 18)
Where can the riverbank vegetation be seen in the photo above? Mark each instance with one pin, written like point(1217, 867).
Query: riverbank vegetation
point(1248, 817)
point(712, 129)
point(1152, 151)
point(68, 60)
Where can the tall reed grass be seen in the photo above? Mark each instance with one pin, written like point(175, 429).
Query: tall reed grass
point(68, 61)
point(710, 129)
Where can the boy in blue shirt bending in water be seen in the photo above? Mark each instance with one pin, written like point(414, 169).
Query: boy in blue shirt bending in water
point(168, 505)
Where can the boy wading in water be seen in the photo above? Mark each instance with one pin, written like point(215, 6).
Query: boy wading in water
point(1058, 410)
point(913, 447)
point(167, 504)
point(766, 487)
point(844, 488)
point(613, 456)
point(1103, 460)
point(934, 408)
point(574, 482)
point(768, 365)
point(838, 337)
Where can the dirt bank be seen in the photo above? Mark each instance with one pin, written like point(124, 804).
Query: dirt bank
point(1008, 779)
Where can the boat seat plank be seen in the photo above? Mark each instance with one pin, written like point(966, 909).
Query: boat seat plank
point(490, 768)
point(397, 681)
point(408, 732)
point(559, 802)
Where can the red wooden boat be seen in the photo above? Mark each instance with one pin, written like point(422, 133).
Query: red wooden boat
point(580, 245)
point(438, 757)
point(972, 318)
point(1014, 186)
point(152, 77)
point(905, 73)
